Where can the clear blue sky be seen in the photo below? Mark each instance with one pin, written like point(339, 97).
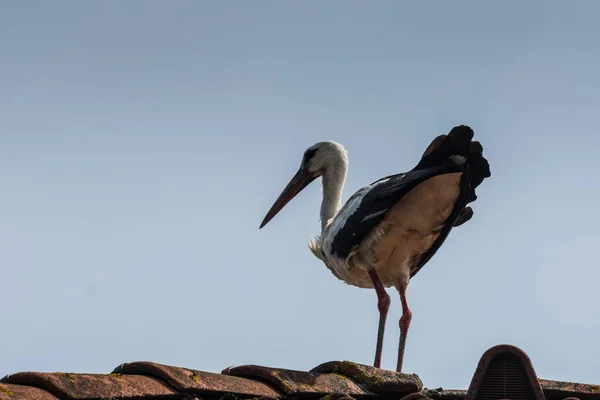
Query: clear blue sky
point(143, 142)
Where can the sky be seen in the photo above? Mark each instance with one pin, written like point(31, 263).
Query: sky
point(142, 143)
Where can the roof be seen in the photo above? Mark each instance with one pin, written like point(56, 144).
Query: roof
point(503, 372)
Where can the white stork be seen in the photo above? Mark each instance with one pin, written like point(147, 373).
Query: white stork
point(387, 231)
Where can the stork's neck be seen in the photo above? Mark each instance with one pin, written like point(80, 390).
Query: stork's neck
point(334, 178)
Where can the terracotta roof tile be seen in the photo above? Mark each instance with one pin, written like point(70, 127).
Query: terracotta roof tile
point(552, 390)
point(445, 394)
point(191, 381)
point(374, 379)
point(92, 386)
point(300, 382)
point(337, 397)
point(18, 392)
point(328, 381)
point(415, 396)
point(566, 389)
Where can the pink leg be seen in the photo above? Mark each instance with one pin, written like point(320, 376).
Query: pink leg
point(404, 324)
point(383, 304)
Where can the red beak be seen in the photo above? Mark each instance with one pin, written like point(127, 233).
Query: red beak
point(301, 180)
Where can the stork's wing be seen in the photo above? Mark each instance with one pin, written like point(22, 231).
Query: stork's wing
point(373, 202)
point(367, 208)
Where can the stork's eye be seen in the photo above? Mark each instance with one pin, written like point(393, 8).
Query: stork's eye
point(308, 155)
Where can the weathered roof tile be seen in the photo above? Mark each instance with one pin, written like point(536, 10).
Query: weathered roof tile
point(18, 392)
point(445, 394)
point(566, 389)
point(91, 386)
point(415, 396)
point(374, 379)
point(337, 397)
point(299, 382)
point(192, 381)
point(329, 381)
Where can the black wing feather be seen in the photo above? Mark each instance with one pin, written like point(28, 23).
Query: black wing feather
point(383, 194)
point(379, 198)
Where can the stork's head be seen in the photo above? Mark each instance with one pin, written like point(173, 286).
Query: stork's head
point(317, 160)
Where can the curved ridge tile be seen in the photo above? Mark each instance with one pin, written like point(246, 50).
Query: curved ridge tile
point(293, 382)
point(91, 386)
point(192, 381)
point(374, 379)
point(19, 392)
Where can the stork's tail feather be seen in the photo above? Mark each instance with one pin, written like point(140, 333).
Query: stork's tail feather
point(459, 142)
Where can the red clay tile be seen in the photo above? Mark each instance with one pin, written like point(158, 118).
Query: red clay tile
point(374, 379)
point(91, 386)
point(191, 381)
point(337, 397)
point(300, 382)
point(569, 389)
point(441, 394)
point(18, 392)
point(415, 396)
